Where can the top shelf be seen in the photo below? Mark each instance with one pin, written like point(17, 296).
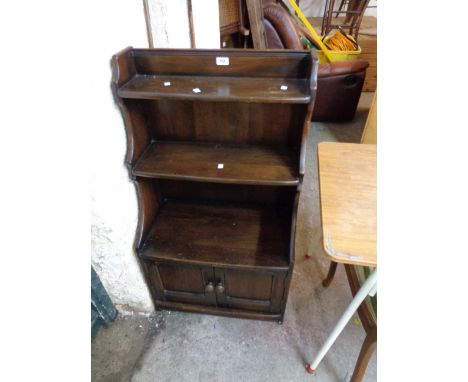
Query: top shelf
point(216, 88)
point(225, 75)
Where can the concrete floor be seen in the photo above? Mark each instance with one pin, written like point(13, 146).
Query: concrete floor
point(175, 346)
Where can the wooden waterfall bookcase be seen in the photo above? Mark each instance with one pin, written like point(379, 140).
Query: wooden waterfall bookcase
point(216, 148)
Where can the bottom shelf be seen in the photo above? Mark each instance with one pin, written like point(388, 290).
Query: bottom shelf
point(219, 235)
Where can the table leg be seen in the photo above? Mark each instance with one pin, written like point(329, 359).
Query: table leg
point(367, 288)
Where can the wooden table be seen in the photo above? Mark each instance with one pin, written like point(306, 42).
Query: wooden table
point(348, 189)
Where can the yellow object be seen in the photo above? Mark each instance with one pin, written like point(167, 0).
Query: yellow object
point(338, 55)
point(317, 38)
point(336, 40)
point(325, 55)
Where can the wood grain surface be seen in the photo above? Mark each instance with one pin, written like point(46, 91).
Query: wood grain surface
point(265, 90)
point(217, 234)
point(348, 190)
point(218, 172)
point(241, 164)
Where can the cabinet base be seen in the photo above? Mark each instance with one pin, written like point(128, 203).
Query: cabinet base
point(218, 311)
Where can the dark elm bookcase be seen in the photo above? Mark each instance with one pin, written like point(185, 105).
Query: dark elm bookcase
point(216, 148)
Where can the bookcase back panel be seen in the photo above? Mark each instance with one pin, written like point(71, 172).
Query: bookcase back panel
point(235, 193)
point(240, 63)
point(250, 123)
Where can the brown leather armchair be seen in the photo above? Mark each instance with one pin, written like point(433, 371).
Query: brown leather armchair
point(339, 83)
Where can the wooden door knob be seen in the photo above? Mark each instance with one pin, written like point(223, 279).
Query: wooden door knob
point(209, 288)
point(219, 288)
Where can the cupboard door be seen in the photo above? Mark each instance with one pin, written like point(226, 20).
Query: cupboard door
point(260, 291)
point(182, 283)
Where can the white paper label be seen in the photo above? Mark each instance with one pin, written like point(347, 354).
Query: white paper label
point(220, 165)
point(167, 83)
point(196, 90)
point(222, 60)
point(284, 87)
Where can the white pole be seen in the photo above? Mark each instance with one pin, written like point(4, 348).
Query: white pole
point(369, 286)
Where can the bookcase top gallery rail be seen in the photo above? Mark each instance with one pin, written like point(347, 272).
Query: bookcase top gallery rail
point(216, 75)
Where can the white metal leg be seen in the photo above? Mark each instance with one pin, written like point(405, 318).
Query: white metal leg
point(369, 286)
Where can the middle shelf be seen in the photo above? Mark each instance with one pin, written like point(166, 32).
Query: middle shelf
point(218, 163)
point(219, 234)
